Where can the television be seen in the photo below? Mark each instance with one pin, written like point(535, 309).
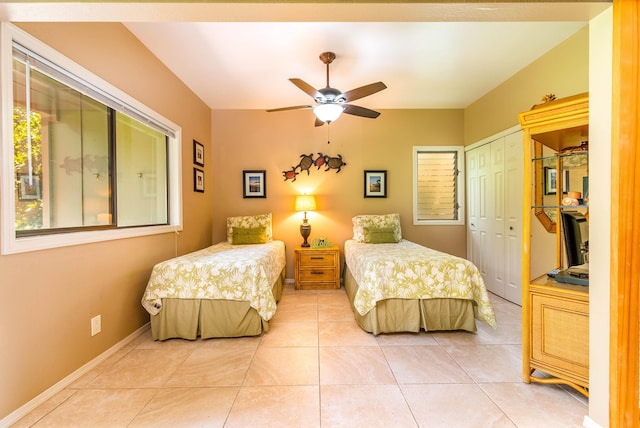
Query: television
point(576, 238)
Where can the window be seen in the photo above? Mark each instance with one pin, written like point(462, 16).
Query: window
point(82, 161)
point(438, 185)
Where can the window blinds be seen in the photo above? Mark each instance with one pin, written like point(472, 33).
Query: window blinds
point(58, 73)
point(436, 185)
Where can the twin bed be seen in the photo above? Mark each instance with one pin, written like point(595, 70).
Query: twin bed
point(227, 290)
point(231, 289)
point(395, 285)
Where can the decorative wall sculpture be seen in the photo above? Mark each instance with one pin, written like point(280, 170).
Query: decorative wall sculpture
point(308, 161)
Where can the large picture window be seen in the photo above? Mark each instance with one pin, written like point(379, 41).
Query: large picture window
point(438, 185)
point(81, 158)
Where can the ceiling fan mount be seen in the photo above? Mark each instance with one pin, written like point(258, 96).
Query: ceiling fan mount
point(331, 102)
point(327, 57)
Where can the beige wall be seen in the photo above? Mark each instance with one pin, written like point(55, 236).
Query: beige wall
point(47, 298)
point(563, 71)
point(254, 139)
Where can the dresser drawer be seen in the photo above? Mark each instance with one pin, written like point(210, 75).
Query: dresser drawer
point(318, 258)
point(317, 274)
point(317, 286)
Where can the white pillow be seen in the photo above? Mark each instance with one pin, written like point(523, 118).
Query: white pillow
point(377, 221)
point(249, 221)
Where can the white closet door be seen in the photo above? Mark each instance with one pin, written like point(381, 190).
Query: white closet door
point(513, 217)
point(473, 250)
point(478, 167)
point(494, 210)
point(496, 221)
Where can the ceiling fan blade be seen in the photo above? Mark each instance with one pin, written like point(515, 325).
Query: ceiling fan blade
point(318, 122)
point(363, 91)
point(307, 88)
point(360, 111)
point(288, 108)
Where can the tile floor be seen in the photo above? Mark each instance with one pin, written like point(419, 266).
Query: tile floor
point(317, 368)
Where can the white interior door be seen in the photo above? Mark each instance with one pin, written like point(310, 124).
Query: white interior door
point(496, 222)
point(478, 166)
point(513, 217)
point(471, 158)
point(494, 212)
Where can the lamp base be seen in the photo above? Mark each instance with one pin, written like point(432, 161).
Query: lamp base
point(305, 231)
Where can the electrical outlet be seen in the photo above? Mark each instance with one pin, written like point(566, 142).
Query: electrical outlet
point(96, 325)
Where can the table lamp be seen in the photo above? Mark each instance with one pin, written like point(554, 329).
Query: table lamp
point(305, 203)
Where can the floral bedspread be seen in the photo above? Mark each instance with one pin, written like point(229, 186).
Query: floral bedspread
point(222, 271)
point(407, 270)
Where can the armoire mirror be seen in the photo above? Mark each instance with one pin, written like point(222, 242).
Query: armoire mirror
point(574, 176)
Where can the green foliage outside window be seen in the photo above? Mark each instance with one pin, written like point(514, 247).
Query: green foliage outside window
point(28, 212)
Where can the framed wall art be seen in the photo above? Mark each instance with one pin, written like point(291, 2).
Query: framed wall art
point(375, 184)
point(550, 181)
point(198, 180)
point(254, 184)
point(198, 153)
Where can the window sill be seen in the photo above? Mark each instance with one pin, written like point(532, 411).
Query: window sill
point(13, 245)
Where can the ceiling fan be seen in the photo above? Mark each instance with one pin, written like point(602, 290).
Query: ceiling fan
point(331, 102)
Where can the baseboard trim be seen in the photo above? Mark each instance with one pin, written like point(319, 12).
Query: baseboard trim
point(31, 405)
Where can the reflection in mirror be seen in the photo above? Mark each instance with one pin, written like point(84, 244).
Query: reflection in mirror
point(546, 181)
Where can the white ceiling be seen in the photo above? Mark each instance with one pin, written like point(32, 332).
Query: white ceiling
point(424, 65)
point(240, 56)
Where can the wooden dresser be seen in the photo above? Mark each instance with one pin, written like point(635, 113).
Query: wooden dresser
point(317, 268)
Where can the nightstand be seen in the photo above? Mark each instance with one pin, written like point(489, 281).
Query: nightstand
point(317, 268)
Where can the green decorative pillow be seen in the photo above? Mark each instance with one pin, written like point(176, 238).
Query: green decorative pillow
point(376, 221)
point(248, 221)
point(249, 235)
point(379, 235)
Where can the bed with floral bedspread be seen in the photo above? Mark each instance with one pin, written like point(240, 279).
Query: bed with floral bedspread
point(397, 285)
point(226, 290)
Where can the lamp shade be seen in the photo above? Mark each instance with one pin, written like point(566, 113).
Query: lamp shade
point(328, 112)
point(305, 203)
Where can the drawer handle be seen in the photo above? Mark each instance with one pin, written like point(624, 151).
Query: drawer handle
point(317, 258)
point(317, 272)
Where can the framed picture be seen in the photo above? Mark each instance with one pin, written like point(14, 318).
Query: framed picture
point(254, 184)
point(29, 189)
point(550, 181)
point(198, 153)
point(375, 184)
point(198, 180)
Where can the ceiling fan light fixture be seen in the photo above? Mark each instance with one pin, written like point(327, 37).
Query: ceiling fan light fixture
point(328, 112)
point(331, 102)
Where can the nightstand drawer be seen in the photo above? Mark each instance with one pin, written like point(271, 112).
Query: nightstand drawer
point(317, 274)
point(318, 258)
point(317, 286)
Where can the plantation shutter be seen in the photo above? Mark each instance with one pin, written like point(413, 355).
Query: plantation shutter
point(436, 189)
